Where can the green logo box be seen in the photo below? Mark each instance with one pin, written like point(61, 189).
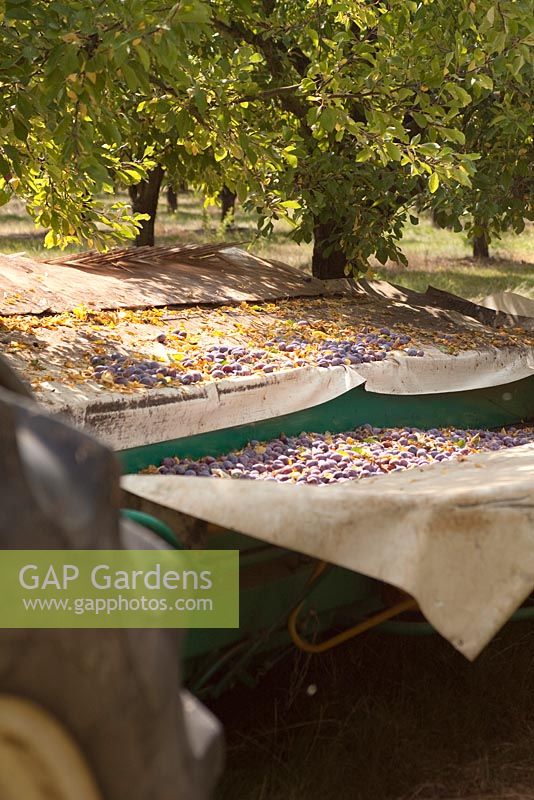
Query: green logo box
point(119, 589)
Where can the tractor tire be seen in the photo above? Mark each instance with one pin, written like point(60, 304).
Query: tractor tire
point(112, 695)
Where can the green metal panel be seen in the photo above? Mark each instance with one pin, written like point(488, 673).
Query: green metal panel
point(480, 408)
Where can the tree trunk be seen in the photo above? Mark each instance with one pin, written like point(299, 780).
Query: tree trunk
point(228, 199)
point(172, 200)
point(481, 245)
point(326, 267)
point(145, 201)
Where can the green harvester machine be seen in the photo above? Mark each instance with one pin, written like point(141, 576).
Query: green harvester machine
point(275, 581)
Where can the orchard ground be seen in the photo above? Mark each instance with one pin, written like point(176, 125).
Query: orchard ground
point(381, 718)
point(387, 718)
point(435, 256)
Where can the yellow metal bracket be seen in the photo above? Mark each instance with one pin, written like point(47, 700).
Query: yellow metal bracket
point(407, 604)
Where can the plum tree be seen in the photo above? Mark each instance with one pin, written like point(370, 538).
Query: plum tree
point(364, 107)
point(338, 116)
point(65, 71)
point(498, 125)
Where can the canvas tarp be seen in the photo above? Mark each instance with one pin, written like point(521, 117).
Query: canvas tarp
point(125, 420)
point(149, 276)
point(510, 303)
point(133, 420)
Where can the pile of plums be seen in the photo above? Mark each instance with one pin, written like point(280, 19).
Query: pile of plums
point(125, 371)
point(365, 348)
point(314, 458)
point(239, 360)
point(222, 361)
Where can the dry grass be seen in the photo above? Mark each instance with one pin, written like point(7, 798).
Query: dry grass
point(392, 719)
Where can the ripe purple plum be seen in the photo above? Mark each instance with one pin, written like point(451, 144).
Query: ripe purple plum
point(326, 459)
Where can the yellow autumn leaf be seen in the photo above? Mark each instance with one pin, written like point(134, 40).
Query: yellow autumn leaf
point(80, 312)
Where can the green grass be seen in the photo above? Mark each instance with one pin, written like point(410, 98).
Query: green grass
point(439, 257)
point(443, 258)
point(465, 277)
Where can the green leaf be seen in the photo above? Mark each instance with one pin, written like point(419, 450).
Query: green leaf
point(50, 239)
point(433, 182)
point(420, 119)
point(241, 191)
point(165, 53)
point(364, 154)
point(201, 100)
point(498, 41)
point(393, 151)
point(404, 93)
point(143, 56)
point(130, 77)
point(62, 60)
point(461, 176)
point(328, 119)
point(458, 94)
point(20, 128)
point(453, 135)
point(290, 157)
point(485, 81)
point(193, 12)
point(183, 122)
point(429, 149)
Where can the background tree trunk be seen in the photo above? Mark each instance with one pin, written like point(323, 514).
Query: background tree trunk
point(326, 267)
point(145, 201)
point(172, 200)
point(228, 199)
point(481, 245)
